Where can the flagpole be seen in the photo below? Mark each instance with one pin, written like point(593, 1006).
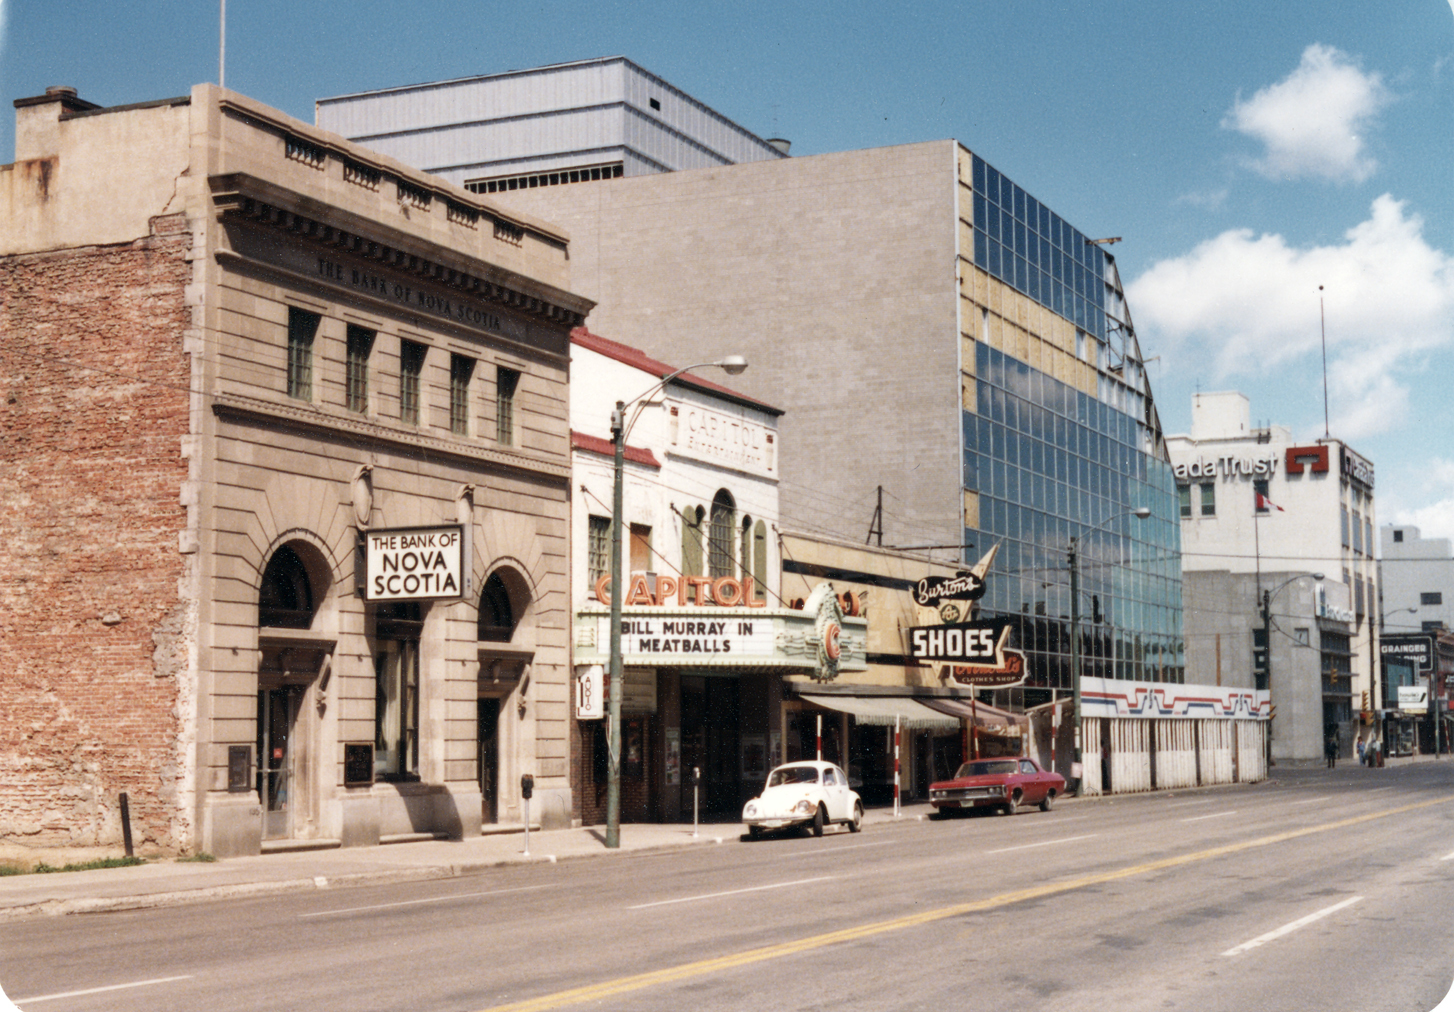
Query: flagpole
point(222, 47)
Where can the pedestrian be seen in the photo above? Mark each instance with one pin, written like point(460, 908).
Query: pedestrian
point(1360, 751)
point(1332, 750)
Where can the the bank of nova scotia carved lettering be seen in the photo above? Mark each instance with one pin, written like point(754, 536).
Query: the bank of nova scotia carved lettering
point(444, 307)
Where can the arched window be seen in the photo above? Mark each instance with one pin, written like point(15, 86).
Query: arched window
point(286, 599)
point(692, 540)
point(720, 535)
point(497, 611)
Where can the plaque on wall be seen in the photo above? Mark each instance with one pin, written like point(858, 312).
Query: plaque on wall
point(239, 765)
point(358, 764)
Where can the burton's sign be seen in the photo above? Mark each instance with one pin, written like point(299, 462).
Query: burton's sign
point(974, 653)
point(929, 591)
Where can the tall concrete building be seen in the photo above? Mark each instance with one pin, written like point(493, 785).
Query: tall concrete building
point(285, 505)
point(1262, 516)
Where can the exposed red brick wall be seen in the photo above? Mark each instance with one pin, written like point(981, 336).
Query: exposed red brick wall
point(93, 407)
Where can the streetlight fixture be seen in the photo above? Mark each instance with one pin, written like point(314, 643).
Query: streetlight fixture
point(621, 428)
point(1073, 560)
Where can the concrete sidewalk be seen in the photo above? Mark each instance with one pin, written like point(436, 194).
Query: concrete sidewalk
point(168, 883)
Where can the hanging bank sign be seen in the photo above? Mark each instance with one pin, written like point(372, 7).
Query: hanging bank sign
point(413, 563)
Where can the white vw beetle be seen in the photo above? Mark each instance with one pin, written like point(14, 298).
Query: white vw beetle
point(804, 794)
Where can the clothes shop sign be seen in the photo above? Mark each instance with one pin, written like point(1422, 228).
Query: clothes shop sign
point(414, 563)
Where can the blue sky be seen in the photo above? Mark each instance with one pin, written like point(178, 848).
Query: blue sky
point(1246, 153)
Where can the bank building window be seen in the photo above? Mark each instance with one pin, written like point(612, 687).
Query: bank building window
point(506, 380)
point(302, 328)
point(1183, 496)
point(1209, 499)
point(360, 345)
point(396, 691)
point(411, 368)
point(460, 371)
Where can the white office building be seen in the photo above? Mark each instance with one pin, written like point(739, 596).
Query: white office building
point(1262, 514)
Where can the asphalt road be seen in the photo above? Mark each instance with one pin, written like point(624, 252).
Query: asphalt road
point(1317, 891)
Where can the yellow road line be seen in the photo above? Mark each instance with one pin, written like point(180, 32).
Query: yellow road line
point(636, 982)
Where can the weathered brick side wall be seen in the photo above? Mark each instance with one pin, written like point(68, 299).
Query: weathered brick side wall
point(94, 638)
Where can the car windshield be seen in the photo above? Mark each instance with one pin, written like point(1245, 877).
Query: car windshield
point(793, 775)
point(980, 769)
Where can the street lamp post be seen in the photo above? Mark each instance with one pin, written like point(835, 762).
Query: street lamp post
point(620, 429)
point(1073, 559)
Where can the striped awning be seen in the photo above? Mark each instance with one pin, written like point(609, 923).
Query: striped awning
point(884, 710)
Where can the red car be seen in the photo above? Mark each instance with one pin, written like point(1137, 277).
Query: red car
point(1005, 784)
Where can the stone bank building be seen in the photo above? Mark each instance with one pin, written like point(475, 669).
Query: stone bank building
point(284, 479)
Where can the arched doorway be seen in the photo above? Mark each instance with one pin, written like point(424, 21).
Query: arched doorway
point(294, 583)
point(504, 662)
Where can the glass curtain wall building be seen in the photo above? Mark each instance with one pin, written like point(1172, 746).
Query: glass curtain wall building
point(1048, 462)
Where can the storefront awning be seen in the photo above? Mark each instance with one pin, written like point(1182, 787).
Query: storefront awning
point(882, 710)
point(980, 714)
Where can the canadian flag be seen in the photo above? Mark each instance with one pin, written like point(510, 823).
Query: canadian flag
point(1264, 504)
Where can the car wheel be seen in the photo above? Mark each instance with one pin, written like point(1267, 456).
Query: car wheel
point(1048, 803)
point(818, 821)
point(1013, 804)
point(856, 823)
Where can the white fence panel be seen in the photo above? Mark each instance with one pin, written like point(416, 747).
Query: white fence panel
point(1251, 751)
point(1130, 756)
point(1090, 736)
point(1176, 755)
point(1216, 751)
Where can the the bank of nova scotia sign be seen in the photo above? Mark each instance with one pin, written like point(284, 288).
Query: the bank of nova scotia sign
point(413, 563)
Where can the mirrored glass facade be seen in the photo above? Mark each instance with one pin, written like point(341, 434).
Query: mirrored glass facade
point(1050, 463)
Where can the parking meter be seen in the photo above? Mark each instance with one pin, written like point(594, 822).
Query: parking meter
point(696, 784)
point(527, 788)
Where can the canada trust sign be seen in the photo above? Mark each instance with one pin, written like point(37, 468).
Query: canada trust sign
point(1227, 467)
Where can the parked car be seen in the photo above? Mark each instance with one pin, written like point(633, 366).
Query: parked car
point(1004, 784)
point(804, 794)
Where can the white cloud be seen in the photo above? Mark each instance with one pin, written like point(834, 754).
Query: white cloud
point(1312, 121)
point(1243, 305)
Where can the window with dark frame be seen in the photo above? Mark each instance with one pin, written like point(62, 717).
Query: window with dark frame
point(461, 369)
point(720, 535)
point(598, 547)
point(302, 329)
point(1431, 597)
point(411, 368)
point(1259, 495)
point(1183, 499)
point(1209, 499)
point(356, 378)
point(506, 382)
